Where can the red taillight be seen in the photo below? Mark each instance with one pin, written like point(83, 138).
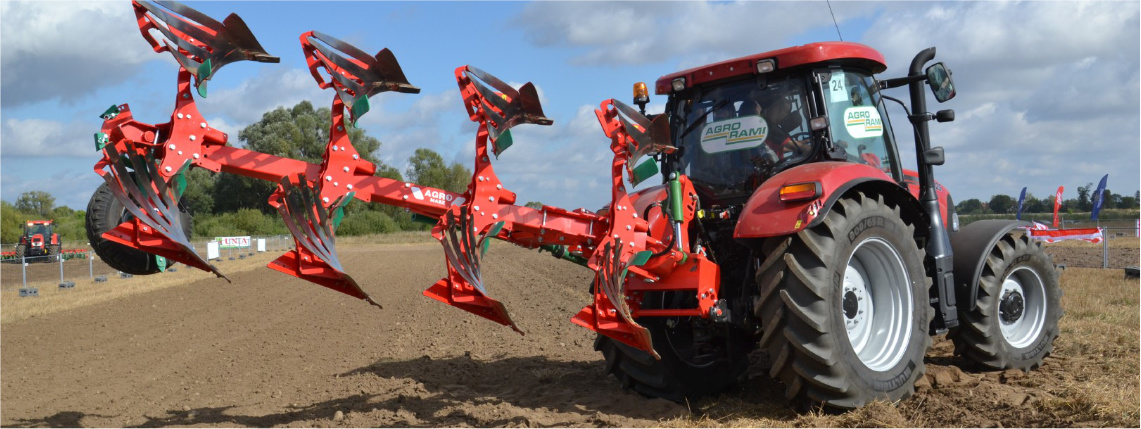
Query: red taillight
point(800, 192)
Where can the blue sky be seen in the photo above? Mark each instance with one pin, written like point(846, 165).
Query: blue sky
point(1048, 91)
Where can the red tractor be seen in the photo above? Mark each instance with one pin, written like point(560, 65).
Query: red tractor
point(785, 220)
point(38, 242)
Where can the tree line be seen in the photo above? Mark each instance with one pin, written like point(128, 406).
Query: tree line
point(1004, 204)
point(229, 204)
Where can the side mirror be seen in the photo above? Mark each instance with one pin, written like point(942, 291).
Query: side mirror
point(939, 78)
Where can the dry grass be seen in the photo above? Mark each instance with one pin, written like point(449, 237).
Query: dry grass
point(1100, 344)
point(87, 292)
point(404, 237)
point(1092, 377)
point(52, 299)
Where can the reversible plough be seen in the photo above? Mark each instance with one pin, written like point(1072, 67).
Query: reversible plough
point(144, 166)
point(784, 220)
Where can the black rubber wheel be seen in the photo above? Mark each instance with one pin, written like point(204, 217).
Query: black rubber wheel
point(698, 358)
point(21, 250)
point(104, 213)
point(1019, 303)
point(844, 307)
point(53, 251)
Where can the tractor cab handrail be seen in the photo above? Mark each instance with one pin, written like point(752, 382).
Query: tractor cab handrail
point(200, 44)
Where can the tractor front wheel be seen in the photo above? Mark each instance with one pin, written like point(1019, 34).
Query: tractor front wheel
point(104, 213)
point(843, 307)
point(1015, 321)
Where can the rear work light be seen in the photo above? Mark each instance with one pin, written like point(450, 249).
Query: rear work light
point(765, 66)
point(678, 84)
point(799, 192)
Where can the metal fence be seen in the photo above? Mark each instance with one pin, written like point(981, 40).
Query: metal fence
point(1119, 248)
point(79, 264)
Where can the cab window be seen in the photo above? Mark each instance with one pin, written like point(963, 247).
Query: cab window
point(858, 121)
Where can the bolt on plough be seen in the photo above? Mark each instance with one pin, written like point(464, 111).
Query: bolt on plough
point(784, 219)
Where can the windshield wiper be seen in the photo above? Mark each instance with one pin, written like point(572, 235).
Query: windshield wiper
point(693, 125)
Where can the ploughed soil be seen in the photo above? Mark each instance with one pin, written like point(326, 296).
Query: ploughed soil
point(272, 350)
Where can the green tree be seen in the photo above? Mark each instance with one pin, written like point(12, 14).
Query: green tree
point(427, 168)
point(537, 205)
point(1002, 204)
point(1033, 204)
point(1127, 203)
point(11, 223)
point(1084, 201)
point(971, 206)
point(37, 203)
point(199, 194)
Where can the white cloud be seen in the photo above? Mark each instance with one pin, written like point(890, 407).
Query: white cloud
point(66, 50)
point(648, 32)
point(1047, 91)
point(45, 138)
point(71, 187)
point(273, 87)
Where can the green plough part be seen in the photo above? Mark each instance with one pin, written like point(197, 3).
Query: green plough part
point(110, 113)
point(644, 171)
point(203, 76)
point(502, 143)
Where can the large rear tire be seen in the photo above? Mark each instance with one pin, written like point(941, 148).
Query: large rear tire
point(698, 358)
point(1019, 303)
point(21, 250)
point(844, 307)
point(104, 213)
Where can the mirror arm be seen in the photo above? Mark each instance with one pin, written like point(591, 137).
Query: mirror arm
point(900, 81)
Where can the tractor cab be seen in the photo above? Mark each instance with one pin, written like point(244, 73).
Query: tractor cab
point(741, 121)
point(38, 239)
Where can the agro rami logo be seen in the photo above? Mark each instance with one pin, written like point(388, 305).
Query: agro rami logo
point(863, 122)
point(746, 132)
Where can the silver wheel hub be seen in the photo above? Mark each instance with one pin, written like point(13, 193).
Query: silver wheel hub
point(876, 304)
point(1021, 307)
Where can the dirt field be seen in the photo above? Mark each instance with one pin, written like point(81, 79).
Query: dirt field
point(270, 350)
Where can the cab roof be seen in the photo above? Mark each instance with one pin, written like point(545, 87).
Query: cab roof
point(822, 52)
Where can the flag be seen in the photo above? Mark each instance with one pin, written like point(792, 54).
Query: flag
point(1057, 204)
point(1098, 196)
point(1021, 198)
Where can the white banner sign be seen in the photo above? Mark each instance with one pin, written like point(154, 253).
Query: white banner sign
point(212, 251)
point(233, 242)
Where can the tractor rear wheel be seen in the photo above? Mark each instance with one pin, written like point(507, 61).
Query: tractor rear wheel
point(844, 307)
point(104, 213)
point(698, 358)
point(21, 250)
point(1015, 321)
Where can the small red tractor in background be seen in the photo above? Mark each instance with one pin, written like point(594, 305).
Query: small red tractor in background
point(39, 241)
point(785, 220)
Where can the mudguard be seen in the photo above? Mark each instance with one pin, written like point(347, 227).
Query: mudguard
point(765, 215)
point(971, 245)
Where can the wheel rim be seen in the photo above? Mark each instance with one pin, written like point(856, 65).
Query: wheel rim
point(1021, 307)
point(876, 303)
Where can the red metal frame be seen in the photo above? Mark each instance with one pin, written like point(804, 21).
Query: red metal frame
point(631, 256)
